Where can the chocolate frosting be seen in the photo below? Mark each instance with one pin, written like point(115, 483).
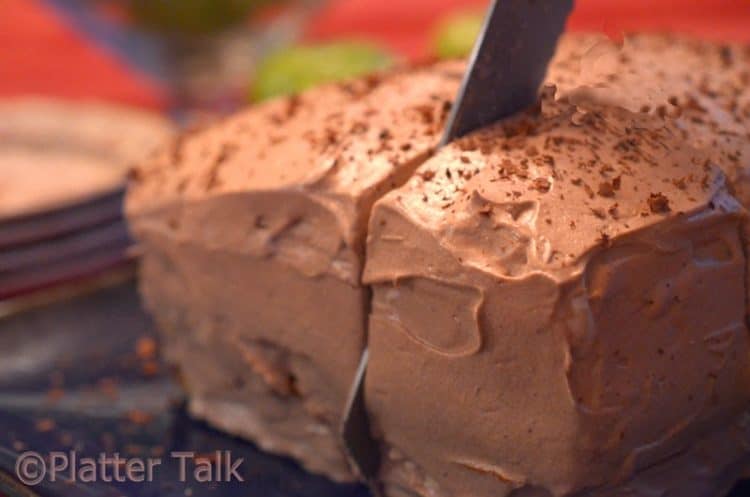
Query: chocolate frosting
point(559, 302)
point(701, 86)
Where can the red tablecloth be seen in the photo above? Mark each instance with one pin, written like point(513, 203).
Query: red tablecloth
point(406, 24)
point(41, 54)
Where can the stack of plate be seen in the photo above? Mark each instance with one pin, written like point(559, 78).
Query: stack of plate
point(62, 177)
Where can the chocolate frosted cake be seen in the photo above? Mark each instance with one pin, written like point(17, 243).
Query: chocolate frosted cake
point(253, 235)
point(557, 303)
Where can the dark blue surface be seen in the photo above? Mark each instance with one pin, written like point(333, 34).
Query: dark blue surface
point(74, 366)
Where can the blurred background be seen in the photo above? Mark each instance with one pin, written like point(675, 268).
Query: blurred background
point(207, 54)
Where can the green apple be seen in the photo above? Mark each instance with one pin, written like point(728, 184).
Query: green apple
point(294, 69)
point(455, 36)
point(191, 17)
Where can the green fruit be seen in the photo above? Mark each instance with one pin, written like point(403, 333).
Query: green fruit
point(294, 69)
point(455, 36)
point(191, 17)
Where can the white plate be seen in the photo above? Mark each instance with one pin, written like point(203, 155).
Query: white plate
point(55, 154)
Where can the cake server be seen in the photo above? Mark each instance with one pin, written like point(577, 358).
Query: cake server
point(506, 69)
point(508, 64)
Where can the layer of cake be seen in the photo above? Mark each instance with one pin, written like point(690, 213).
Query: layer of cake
point(559, 305)
point(710, 468)
point(262, 220)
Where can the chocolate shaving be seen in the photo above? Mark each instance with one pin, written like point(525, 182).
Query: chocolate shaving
point(606, 189)
point(293, 104)
point(617, 183)
point(658, 203)
point(428, 175)
point(541, 185)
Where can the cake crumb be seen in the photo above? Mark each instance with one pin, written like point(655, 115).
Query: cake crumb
point(45, 425)
point(138, 417)
point(145, 348)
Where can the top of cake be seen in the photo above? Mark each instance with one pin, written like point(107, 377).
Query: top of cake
point(701, 86)
point(630, 134)
point(626, 136)
point(294, 179)
point(549, 188)
point(344, 142)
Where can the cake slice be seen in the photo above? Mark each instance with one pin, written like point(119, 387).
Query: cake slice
point(559, 309)
point(253, 237)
